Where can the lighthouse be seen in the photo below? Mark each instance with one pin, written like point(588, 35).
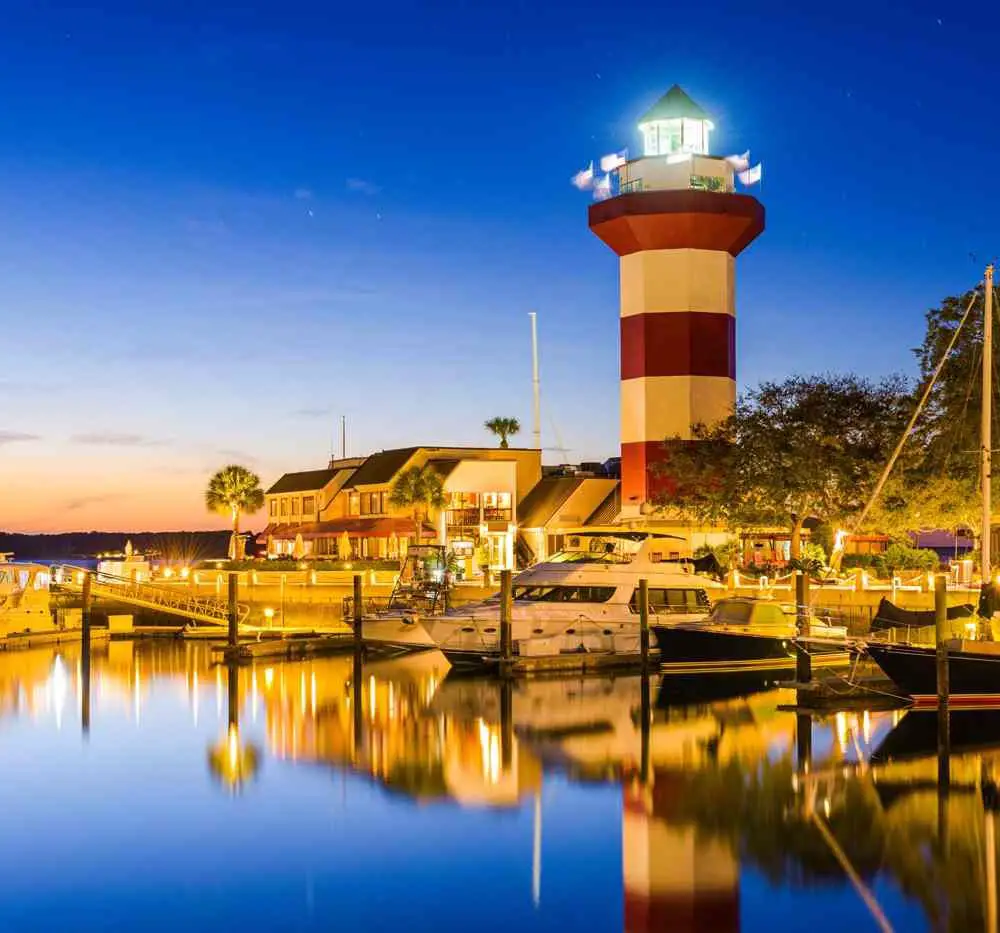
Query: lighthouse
point(677, 225)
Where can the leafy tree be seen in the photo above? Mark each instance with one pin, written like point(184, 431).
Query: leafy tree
point(420, 489)
point(232, 491)
point(808, 446)
point(503, 428)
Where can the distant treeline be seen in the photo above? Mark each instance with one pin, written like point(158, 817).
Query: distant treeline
point(184, 546)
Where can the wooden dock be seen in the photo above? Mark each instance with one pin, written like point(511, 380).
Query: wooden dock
point(575, 662)
point(15, 641)
point(290, 648)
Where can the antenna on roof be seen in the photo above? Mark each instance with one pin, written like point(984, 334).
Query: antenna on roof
point(536, 429)
point(343, 437)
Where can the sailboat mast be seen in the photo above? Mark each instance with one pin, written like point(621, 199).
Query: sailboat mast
point(986, 428)
point(536, 401)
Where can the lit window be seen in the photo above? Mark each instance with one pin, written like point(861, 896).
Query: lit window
point(354, 504)
point(295, 506)
point(273, 507)
point(284, 507)
point(309, 505)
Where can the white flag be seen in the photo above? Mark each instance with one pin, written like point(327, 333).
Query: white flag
point(602, 188)
point(585, 179)
point(615, 160)
point(740, 163)
point(751, 176)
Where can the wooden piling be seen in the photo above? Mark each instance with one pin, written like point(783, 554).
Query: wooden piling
point(943, 714)
point(359, 607)
point(85, 684)
point(232, 610)
point(644, 623)
point(941, 633)
point(506, 611)
point(646, 712)
point(803, 742)
point(803, 660)
point(88, 599)
point(357, 705)
point(233, 683)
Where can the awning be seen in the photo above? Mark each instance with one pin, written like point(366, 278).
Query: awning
point(354, 527)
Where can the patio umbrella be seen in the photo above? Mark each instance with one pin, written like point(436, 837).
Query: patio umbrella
point(344, 546)
point(298, 548)
point(394, 545)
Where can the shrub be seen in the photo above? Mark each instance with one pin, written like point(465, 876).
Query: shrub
point(905, 557)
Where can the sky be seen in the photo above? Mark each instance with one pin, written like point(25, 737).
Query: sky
point(223, 226)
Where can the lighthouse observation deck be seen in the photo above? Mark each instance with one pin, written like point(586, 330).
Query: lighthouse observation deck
point(676, 172)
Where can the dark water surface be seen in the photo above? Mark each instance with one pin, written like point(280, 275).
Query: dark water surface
point(319, 796)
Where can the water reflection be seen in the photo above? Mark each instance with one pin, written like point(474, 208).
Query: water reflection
point(735, 811)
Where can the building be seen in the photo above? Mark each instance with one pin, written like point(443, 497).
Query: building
point(343, 512)
point(677, 226)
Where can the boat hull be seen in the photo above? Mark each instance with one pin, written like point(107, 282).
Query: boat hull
point(688, 645)
point(973, 679)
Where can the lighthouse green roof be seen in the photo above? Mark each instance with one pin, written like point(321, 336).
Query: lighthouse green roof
point(675, 103)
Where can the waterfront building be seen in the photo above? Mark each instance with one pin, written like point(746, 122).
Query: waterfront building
point(677, 225)
point(344, 511)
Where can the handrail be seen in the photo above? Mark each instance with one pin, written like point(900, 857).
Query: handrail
point(164, 599)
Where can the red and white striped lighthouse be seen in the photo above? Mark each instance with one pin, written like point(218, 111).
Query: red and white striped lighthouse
point(677, 226)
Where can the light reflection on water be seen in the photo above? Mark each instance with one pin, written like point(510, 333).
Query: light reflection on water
point(145, 788)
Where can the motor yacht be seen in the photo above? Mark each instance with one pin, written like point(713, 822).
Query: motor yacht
point(584, 598)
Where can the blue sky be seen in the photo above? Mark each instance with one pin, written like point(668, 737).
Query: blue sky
point(221, 228)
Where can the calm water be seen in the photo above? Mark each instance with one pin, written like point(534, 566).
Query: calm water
point(396, 797)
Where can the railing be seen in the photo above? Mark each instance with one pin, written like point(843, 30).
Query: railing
point(147, 595)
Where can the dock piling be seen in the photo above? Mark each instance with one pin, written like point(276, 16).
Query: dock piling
point(506, 610)
point(88, 600)
point(644, 622)
point(506, 723)
point(359, 607)
point(803, 660)
point(941, 634)
point(232, 610)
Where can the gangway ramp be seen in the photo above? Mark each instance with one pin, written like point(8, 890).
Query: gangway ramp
point(202, 609)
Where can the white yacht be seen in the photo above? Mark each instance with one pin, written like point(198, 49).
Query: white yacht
point(582, 599)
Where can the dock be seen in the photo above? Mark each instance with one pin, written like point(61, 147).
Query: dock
point(285, 648)
point(15, 641)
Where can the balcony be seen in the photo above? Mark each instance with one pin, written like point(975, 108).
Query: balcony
point(472, 518)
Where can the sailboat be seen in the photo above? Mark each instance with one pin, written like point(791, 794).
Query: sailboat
point(973, 664)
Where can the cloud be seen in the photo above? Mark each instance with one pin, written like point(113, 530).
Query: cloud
point(363, 187)
point(12, 437)
point(111, 439)
point(74, 505)
point(303, 194)
point(237, 456)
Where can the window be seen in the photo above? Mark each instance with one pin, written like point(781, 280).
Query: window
point(564, 594)
point(308, 505)
point(284, 507)
point(354, 504)
point(731, 612)
point(273, 507)
point(296, 502)
point(672, 600)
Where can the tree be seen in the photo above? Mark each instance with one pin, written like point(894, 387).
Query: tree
point(503, 428)
point(418, 488)
point(232, 491)
point(805, 447)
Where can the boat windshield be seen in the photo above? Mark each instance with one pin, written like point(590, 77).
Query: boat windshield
point(596, 549)
point(563, 594)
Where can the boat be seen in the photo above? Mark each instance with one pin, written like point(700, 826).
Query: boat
point(973, 663)
point(24, 599)
point(584, 598)
point(744, 633)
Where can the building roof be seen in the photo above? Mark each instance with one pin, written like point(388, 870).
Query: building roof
point(443, 468)
point(675, 103)
point(544, 500)
point(306, 481)
point(608, 510)
point(366, 527)
point(381, 467)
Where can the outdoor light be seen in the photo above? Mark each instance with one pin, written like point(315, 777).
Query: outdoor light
point(185, 573)
point(269, 615)
point(167, 573)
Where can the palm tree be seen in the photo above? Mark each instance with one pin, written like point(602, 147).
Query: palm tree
point(503, 428)
point(233, 491)
point(419, 488)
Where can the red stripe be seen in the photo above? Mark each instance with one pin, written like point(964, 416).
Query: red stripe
point(639, 484)
point(682, 219)
point(678, 343)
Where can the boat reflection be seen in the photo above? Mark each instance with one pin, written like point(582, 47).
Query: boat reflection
point(720, 781)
